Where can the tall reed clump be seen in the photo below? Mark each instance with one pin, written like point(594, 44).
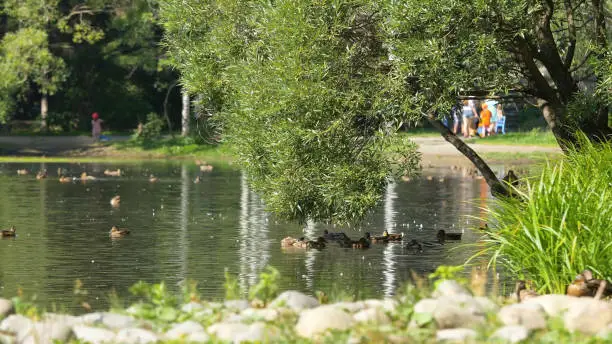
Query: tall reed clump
point(560, 224)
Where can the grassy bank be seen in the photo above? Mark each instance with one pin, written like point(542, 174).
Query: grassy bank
point(530, 138)
point(177, 147)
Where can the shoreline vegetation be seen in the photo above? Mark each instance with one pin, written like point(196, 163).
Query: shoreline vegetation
point(56, 148)
point(434, 309)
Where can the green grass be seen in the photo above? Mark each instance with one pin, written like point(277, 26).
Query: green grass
point(530, 138)
point(560, 222)
point(177, 147)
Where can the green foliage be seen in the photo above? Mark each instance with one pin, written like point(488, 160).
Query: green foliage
point(152, 129)
point(159, 303)
point(560, 223)
point(447, 272)
point(267, 288)
point(231, 286)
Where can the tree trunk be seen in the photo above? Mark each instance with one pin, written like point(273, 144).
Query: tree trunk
point(166, 108)
point(44, 110)
point(497, 187)
point(185, 114)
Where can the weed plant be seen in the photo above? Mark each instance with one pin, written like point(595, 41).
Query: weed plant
point(560, 222)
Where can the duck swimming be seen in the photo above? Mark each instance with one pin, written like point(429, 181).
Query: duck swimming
point(65, 179)
point(303, 243)
point(85, 177)
point(197, 180)
point(335, 236)
point(376, 239)
point(23, 172)
point(116, 173)
point(115, 201)
point(115, 232)
point(41, 174)
point(8, 232)
point(206, 168)
point(153, 179)
point(443, 235)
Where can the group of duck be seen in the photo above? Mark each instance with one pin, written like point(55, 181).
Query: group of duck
point(583, 285)
point(42, 174)
point(345, 241)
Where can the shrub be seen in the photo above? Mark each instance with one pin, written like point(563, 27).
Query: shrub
point(560, 223)
point(151, 129)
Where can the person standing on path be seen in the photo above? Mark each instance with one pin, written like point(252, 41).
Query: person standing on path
point(96, 127)
point(492, 105)
point(469, 112)
point(485, 120)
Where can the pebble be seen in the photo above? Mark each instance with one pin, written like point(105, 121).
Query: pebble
point(580, 316)
point(318, 320)
point(553, 304)
point(136, 336)
point(455, 334)
point(17, 324)
point(372, 315)
point(111, 320)
point(295, 300)
point(6, 308)
point(450, 288)
point(238, 332)
point(530, 315)
point(458, 311)
point(511, 334)
point(266, 314)
point(93, 335)
point(236, 305)
point(184, 329)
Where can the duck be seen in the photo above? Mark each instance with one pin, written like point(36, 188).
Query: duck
point(116, 173)
point(153, 179)
point(376, 239)
point(85, 177)
point(334, 236)
point(23, 172)
point(419, 245)
point(206, 168)
point(406, 179)
point(585, 285)
point(511, 178)
point(8, 232)
point(522, 293)
point(115, 232)
point(42, 174)
point(288, 242)
point(115, 201)
point(197, 180)
point(443, 235)
point(362, 243)
point(63, 179)
point(200, 162)
point(393, 236)
point(318, 244)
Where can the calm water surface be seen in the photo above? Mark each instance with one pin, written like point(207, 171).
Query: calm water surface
point(181, 230)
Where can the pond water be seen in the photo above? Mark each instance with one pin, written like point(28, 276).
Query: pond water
point(182, 230)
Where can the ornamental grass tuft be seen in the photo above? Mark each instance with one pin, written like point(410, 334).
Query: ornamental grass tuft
point(560, 222)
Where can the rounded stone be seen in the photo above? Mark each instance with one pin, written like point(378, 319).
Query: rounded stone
point(93, 335)
point(588, 316)
point(458, 312)
point(318, 320)
point(295, 300)
point(450, 288)
point(238, 332)
point(426, 306)
point(236, 305)
point(530, 315)
point(372, 315)
point(184, 329)
point(192, 307)
point(455, 334)
point(6, 307)
point(388, 305)
point(553, 304)
point(135, 336)
point(350, 307)
point(111, 320)
point(511, 334)
point(266, 314)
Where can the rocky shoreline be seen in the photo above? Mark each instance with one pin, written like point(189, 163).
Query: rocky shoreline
point(451, 313)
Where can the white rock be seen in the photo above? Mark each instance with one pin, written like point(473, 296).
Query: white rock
point(606, 333)
point(321, 319)
point(111, 320)
point(7, 338)
point(458, 312)
point(511, 334)
point(455, 334)
point(184, 329)
point(198, 337)
point(350, 307)
point(388, 305)
point(372, 315)
point(192, 307)
point(530, 315)
point(237, 332)
point(135, 336)
point(6, 307)
point(93, 335)
point(16, 323)
point(295, 300)
point(486, 304)
point(553, 304)
point(236, 305)
point(588, 316)
point(450, 288)
point(267, 314)
point(426, 306)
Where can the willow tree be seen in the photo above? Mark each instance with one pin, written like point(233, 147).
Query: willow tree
point(312, 91)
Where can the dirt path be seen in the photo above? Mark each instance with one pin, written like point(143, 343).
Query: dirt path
point(435, 150)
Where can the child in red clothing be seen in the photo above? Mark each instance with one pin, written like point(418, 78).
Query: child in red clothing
point(96, 126)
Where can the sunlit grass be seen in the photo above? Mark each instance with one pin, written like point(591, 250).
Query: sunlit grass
point(560, 223)
point(534, 137)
